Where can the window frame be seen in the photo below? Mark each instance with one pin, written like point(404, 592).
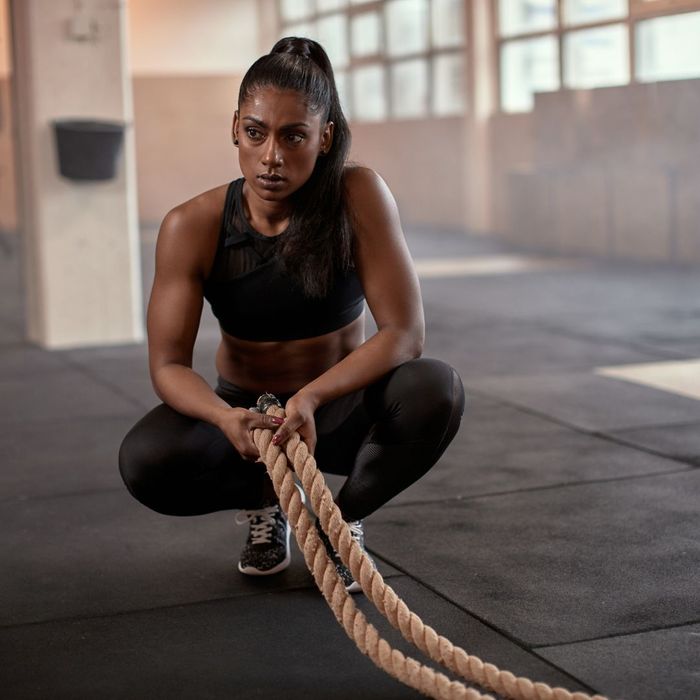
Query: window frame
point(351, 10)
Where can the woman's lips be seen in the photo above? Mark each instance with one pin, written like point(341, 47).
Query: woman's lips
point(271, 181)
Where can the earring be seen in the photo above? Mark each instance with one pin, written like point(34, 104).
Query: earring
point(235, 141)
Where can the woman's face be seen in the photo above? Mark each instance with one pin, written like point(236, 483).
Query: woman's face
point(279, 140)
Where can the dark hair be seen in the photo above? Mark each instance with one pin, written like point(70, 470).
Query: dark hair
point(318, 241)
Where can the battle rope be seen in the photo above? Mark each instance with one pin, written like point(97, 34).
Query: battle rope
point(438, 648)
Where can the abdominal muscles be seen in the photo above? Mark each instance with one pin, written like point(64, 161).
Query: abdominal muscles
point(285, 366)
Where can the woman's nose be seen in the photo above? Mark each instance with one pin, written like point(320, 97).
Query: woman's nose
point(272, 154)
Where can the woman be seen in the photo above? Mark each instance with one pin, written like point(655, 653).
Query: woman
point(286, 256)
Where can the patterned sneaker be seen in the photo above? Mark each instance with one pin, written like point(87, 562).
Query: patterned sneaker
point(358, 534)
point(267, 549)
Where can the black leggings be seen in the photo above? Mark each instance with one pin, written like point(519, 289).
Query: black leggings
point(383, 438)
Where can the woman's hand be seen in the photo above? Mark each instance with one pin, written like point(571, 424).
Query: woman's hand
point(300, 417)
point(238, 424)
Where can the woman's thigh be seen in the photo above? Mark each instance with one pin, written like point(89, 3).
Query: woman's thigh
point(395, 434)
point(342, 426)
point(418, 403)
point(180, 465)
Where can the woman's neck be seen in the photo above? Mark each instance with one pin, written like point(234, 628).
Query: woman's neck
point(267, 218)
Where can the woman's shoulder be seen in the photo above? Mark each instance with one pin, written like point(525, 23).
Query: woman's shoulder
point(197, 212)
point(191, 229)
point(366, 186)
point(369, 197)
point(359, 177)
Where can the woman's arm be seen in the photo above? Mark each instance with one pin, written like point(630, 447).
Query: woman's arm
point(393, 295)
point(174, 313)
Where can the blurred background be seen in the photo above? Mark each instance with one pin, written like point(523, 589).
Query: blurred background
point(561, 126)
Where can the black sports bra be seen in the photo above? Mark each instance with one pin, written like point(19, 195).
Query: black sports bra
point(255, 299)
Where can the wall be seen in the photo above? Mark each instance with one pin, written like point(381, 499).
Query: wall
point(192, 37)
point(423, 163)
point(183, 143)
point(611, 172)
point(187, 58)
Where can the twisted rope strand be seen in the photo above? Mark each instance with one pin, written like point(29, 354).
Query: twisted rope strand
point(404, 669)
point(385, 599)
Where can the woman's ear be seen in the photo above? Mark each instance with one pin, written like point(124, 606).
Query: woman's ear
point(234, 128)
point(327, 138)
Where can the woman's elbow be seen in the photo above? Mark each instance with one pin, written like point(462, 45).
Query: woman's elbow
point(156, 383)
point(418, 343)
point(414, 341)
point(160, 372)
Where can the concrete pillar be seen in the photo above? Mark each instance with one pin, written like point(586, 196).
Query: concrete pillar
point(8, 195)
point(485, 101)
point(80, 238)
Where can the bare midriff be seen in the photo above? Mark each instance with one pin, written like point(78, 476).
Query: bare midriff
point(285, 366)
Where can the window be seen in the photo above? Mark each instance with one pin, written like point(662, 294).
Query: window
point(447, 22)
point(588, 11)
point(369, 93)
point(295, 9)
point(342, 84)
point(332, 34)
point(324, 5)
point(596, 57)
point(668, 48)
point(393, 59)
point(409, 88)
point(528, 66)
point(406, 26)
point(448, 85)
point(366, 34)
point(548, 44)
point(524, 16)
point(302, 29)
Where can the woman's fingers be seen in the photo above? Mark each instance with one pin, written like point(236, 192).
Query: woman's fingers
point(261, 420)
point(310, 441)
point(258, 420)
point(284, 432)
point(307, 432)
point(239, 430)
point(285, 427)
point(249, 451)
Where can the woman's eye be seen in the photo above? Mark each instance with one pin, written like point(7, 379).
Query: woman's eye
point(295, 138)
point(253, 133)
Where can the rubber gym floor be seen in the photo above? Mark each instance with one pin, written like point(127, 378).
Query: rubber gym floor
point(557, 537)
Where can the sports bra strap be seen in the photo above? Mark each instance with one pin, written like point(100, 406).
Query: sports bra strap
point(227, 218)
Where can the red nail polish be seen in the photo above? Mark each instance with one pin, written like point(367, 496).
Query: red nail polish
point(277, 421)
point(276, 440)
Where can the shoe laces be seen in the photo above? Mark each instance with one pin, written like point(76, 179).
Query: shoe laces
point(262, 523)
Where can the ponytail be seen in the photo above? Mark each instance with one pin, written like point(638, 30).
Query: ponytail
point(318, 242)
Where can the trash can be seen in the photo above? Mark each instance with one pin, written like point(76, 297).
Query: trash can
point(88, 148)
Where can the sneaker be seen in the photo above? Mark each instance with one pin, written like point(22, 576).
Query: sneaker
point(358, 534)
point(267, 549)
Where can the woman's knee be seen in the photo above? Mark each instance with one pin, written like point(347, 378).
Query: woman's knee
point(434, 380)
point(178, 465)
point(150, 454)
point(138, 462)
point(425, 396)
